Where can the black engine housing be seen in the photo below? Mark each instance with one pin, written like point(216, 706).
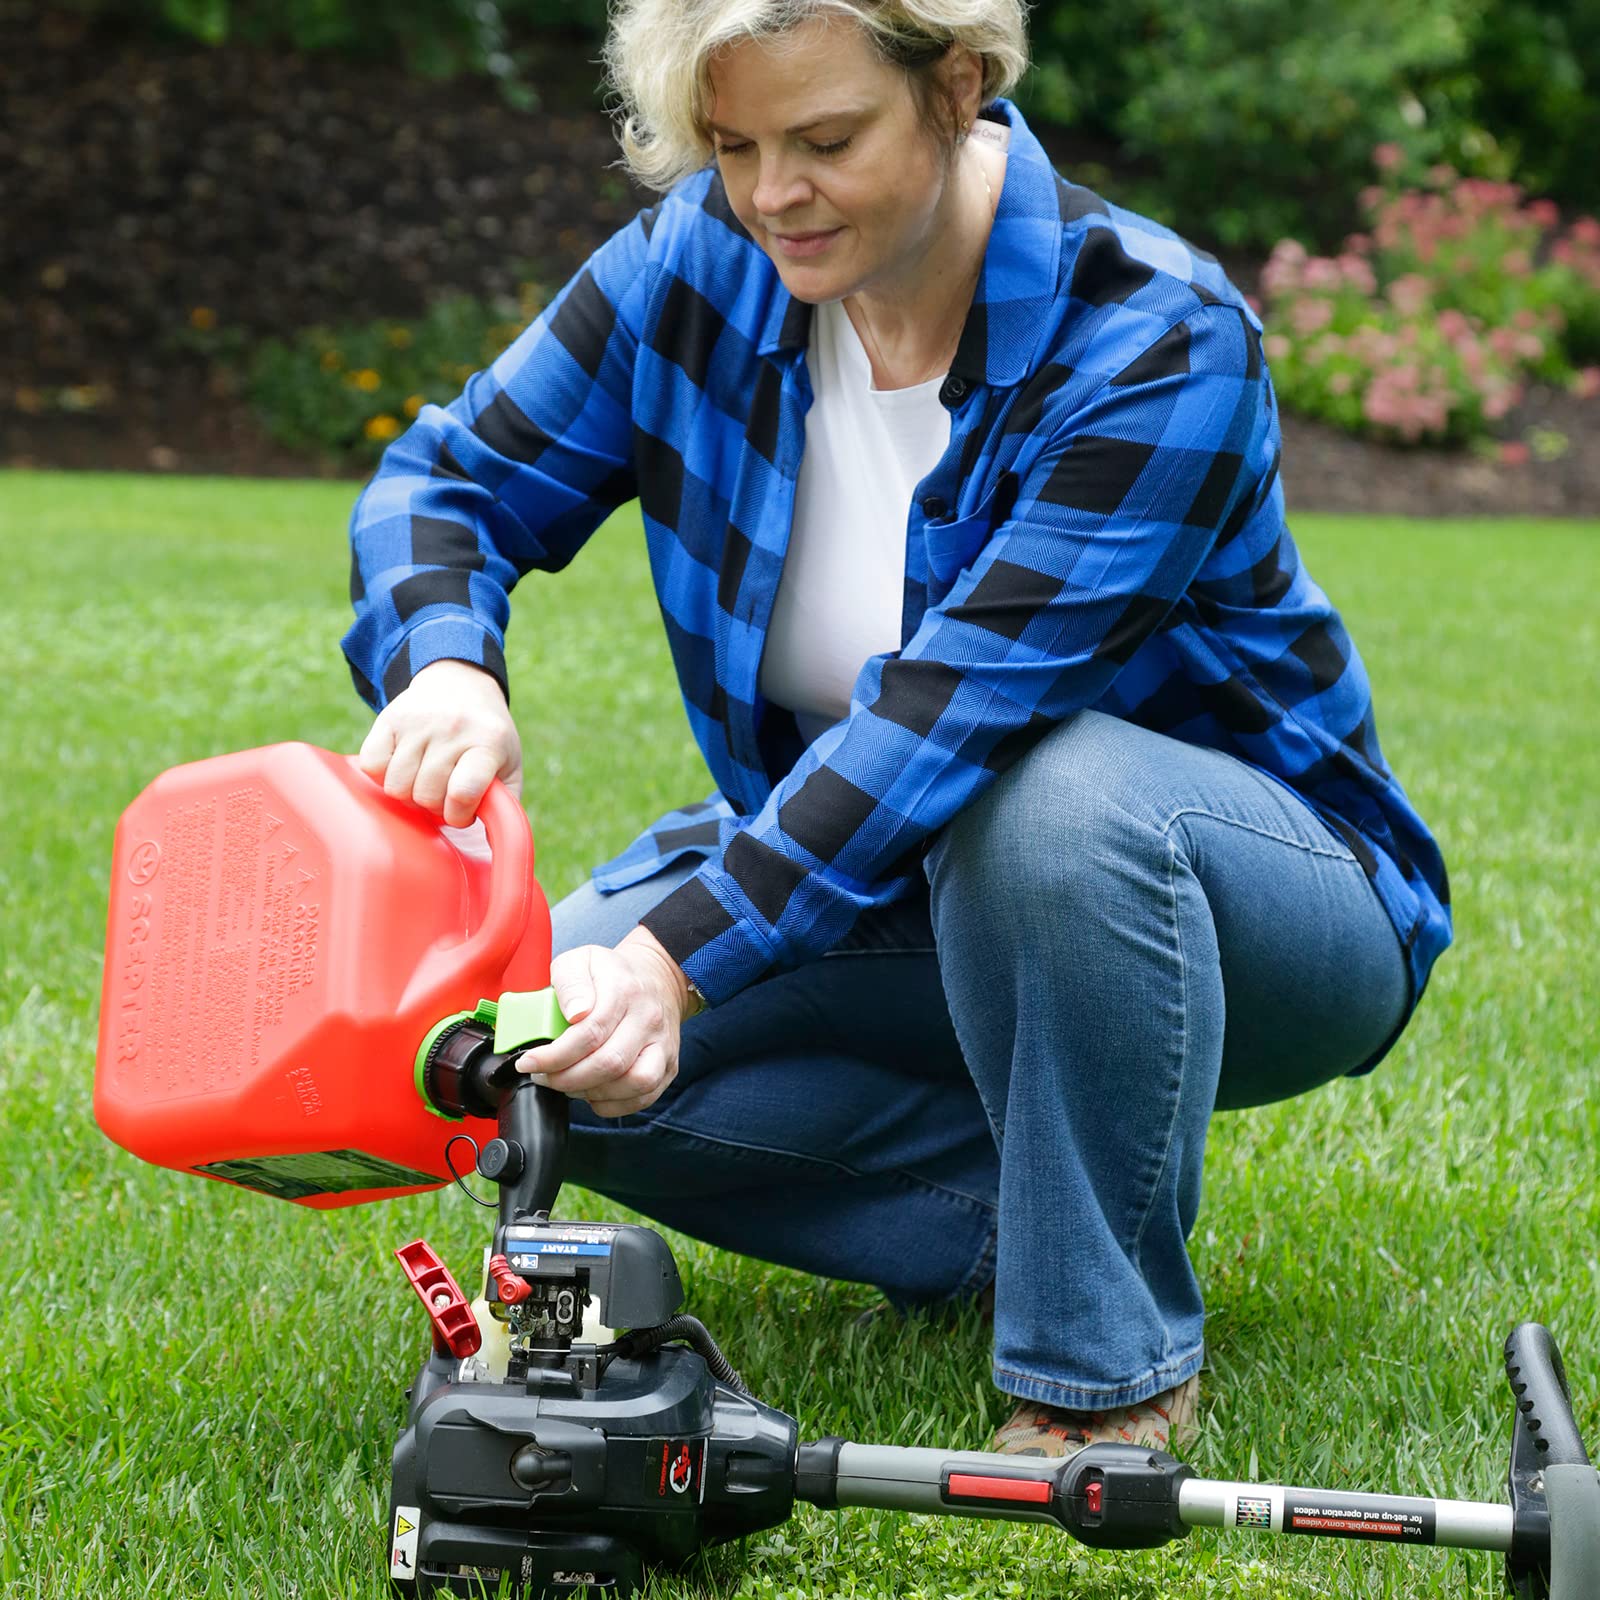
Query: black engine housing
point(562, 1487)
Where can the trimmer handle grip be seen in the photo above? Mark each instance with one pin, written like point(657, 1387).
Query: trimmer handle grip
point(1555, 1494)
point(1544, 1402)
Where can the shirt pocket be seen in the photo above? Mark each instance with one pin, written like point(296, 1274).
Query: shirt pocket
point(953, 546)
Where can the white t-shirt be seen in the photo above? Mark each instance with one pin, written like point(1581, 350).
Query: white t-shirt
point(840, 597)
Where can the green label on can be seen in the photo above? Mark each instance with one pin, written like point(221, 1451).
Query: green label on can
point(298, 1177)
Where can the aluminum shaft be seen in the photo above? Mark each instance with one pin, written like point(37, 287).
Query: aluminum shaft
point(1380, 1518)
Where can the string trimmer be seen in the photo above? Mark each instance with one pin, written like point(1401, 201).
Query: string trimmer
point(579, 1463)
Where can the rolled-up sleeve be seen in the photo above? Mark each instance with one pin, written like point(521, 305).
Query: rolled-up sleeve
point(513, 475)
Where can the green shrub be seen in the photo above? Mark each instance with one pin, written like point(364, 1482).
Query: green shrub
point(1537, 68)
point(351, 390)
point(1427, 327)
point(1257, 117)
point(1254, 117)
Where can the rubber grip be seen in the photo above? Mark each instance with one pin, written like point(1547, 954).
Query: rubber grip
point(1544, 1403)
point(1573, 1494)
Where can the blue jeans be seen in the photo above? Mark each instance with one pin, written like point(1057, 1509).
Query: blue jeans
point(1010, 1077)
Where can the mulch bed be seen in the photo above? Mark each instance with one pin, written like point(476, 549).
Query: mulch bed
point(139, 182)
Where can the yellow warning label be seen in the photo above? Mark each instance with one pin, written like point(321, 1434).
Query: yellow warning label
point(403, 1556)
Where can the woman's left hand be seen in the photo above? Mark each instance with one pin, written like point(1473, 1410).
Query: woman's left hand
point(624, 1008)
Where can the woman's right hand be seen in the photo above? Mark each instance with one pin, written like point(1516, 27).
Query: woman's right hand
point(442, 740)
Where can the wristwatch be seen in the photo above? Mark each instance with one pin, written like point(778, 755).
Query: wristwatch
point(697, 1001)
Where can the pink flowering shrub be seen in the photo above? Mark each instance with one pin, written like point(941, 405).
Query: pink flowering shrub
point(1428, 326)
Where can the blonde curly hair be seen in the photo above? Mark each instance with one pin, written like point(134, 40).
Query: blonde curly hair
point(658, 54)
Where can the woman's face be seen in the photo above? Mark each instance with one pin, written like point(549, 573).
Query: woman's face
point(827, 159)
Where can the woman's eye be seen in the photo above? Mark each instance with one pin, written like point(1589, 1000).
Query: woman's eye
point(728, 147)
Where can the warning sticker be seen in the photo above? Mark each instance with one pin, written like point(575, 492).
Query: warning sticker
point(403, 1555)
point(1391, 1520)
point(297, 1177)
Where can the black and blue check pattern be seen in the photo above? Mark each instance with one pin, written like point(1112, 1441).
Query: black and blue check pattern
point(1106, 529)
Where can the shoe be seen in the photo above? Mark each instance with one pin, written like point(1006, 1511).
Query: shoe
point(1165, 1421)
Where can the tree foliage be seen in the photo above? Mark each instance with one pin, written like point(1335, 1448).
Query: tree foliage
point(1259, 117)
point(1253, 118)
point(1537, 68)
point(436, 38)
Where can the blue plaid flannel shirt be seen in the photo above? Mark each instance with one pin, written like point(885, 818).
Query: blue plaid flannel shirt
point(1106, 529)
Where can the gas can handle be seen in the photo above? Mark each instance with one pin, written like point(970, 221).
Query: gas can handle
point(510, 891)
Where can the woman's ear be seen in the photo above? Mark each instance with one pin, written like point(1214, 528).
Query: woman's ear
point(963, 84)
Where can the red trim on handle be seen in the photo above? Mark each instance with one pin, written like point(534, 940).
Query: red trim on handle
point(983, 1486)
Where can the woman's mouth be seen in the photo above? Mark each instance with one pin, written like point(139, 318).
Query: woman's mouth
point(797, 246)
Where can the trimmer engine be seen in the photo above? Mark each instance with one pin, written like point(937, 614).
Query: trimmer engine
point(533, 1454)
point(580, 1473)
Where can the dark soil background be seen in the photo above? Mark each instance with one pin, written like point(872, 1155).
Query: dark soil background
point(139, 182)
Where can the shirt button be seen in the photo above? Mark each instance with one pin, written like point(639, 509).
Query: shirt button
point(954, 390)
point(934, 507)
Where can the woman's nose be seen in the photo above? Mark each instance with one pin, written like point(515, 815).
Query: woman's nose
point(780, 186)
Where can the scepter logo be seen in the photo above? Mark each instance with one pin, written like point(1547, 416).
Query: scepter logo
point(144, 863)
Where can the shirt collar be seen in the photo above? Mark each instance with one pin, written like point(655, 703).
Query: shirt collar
point(1017, 284)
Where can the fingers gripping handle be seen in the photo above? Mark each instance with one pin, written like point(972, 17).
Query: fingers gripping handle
point(505, 917)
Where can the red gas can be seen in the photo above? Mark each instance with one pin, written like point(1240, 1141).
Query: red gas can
point(282, 938)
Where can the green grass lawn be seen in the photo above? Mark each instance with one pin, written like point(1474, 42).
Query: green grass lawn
point(199, 1388)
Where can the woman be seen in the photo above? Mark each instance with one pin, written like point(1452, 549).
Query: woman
point(1050, 810)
